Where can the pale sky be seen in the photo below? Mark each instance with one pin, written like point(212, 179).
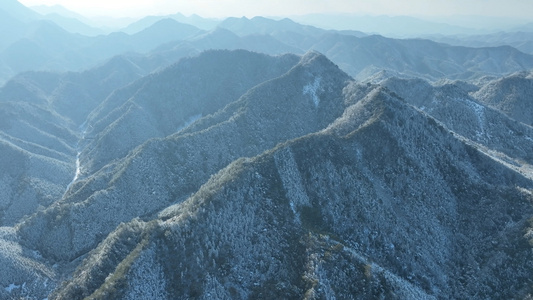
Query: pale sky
point(224, 8)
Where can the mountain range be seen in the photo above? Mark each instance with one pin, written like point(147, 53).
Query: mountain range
point(261, 159)
point(28, 34)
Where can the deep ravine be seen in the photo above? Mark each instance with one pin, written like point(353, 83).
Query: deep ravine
point(83, 131)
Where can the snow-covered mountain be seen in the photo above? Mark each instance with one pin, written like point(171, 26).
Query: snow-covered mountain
point(246, 162)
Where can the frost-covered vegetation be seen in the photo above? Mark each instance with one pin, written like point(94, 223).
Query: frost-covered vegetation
point(229, 174)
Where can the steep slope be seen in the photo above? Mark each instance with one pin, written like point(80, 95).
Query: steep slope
point(167, 101)
point(40, 115)
point(360, 56)
point(25, 275)
point(74, 24)
point(511, 95)
point(296, 35)
point(37, 125)
point(36, 158)
point(78, 94)
point(195, 20)
point(68, 20)
point(163, 171)
point(161, 32)
point(30, 180)
point(498, 135)
point(384, 203)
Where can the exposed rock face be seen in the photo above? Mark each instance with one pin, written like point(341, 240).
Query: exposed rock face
point(379, 207)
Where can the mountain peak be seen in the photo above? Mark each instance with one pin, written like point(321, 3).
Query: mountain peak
point(317, 63)
point(184, 168)
point(17, 10)
point(313, 55)
point(168, 25)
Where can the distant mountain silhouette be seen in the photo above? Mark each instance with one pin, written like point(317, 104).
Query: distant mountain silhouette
point(519, 40)
point(194, 20)
point(46, 46)
point(18, 11)
point(390, 26)
point(419, 58)
point(260, 25)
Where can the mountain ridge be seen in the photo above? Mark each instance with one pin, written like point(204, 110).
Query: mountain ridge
point(274, 181)
point(239, 162)
point(509, 95)
point(139, 163)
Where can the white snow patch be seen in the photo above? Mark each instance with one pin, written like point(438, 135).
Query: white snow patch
point(359, 154)
point(78, 169)
point(291, 203)
point(291, 180)
point(83, 130)
point(479, 110)
point(77, 173)
point(311, 89)
point(189, 121)
point(11, 287)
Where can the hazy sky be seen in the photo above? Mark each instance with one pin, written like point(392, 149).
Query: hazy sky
point(224, 8)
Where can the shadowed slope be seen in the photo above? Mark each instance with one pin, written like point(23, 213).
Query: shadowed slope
point(163, 171)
